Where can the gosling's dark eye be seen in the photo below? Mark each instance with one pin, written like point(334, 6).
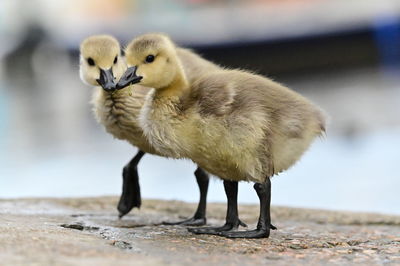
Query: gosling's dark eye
point(90, 61)
point(116, 59)
point(150, 58)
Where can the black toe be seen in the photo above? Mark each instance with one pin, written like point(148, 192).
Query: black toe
point(257, 233)
point(188, 222)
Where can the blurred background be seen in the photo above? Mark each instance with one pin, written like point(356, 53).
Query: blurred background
point(342, 54)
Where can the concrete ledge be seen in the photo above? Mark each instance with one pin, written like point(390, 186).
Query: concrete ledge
point(86, 231)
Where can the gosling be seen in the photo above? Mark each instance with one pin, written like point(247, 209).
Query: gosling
point(118, 112)
point(234, 124)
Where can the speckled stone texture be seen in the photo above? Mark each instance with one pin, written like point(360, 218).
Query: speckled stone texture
point(86, 231)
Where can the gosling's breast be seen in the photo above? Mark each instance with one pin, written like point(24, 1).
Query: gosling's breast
point(119, 112)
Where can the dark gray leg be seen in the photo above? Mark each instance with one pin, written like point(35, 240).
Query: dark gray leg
point(264, 220)
point(232, 218)
point(199, 217)
point(130, 197)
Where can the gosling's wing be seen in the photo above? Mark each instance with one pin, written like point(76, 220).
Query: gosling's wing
point(213, 95)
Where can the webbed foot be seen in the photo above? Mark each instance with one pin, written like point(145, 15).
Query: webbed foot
point(257, 233)
point(189, 222)
point(216, 230)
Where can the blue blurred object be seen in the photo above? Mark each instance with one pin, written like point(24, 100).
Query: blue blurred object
point(387, 37)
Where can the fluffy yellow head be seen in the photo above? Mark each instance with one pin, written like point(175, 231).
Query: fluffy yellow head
point(155, 57)
point(100, 52)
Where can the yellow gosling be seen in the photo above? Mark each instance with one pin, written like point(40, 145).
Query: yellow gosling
point(234, 124)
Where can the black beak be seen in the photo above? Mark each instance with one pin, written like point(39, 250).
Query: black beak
point(106, 80)
point(128, 78)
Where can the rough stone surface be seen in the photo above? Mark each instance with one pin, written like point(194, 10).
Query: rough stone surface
point(86, 231)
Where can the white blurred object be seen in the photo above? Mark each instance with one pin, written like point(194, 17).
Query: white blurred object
point(68, 22)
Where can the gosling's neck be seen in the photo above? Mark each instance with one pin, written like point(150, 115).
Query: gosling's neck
point(178, 88)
